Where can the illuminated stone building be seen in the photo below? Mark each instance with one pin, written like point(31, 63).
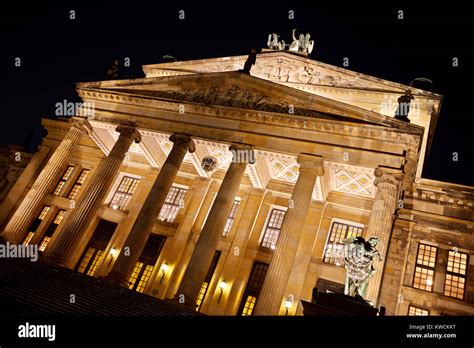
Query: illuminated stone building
point(234, 191)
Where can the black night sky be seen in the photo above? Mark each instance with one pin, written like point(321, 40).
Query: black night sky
point(56, 52)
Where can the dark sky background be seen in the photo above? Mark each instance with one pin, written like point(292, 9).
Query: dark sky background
point(56, 52)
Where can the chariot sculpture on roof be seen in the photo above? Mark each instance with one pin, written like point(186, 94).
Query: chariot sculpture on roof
point(302, 44)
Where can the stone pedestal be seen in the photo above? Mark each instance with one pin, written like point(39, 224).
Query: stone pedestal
point(273, 291)
point(17, 228)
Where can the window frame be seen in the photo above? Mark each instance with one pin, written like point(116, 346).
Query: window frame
point(425, 267)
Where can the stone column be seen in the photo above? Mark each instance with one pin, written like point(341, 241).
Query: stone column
point(387, 182)
point(150, 211)
point(208, 239)
point(91, 199)
point(273, 291)
point(17, 228)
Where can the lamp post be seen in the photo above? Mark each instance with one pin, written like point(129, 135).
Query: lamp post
point(222, 286)
point(164, 268)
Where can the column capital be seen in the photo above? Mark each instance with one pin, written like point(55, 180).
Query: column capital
point(83, 125)
point(387, 175)
point(242, 153)
point(311, 162)
point(184, 141)
point(129, 132)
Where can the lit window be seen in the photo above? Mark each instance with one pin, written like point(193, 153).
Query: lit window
point(136, 272)
point(230, 219)
point(51, 229)
point(249, 304)
point(174, 201)
point(424, 268)
point(416, 311)
point(253, 288)
point(456, 270)
point(28, 238)
point(334, 251)
point(124, 193)
point(77, 185)
point(44, 243)
point(202, 293)
point(272, 230)
point(63, 180)
point(34, 226)
point(90, 261)
point(146, 263)
point(207, 280)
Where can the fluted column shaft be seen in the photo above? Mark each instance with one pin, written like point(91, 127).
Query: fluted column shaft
point(206, 245)
point(71, 233)
point(380, 222)
point(17, 228)
point(150, 211)
point(276, 280)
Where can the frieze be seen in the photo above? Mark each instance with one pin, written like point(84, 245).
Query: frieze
point(292, 121)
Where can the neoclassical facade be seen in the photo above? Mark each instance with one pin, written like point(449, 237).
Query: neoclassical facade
point(232, 193)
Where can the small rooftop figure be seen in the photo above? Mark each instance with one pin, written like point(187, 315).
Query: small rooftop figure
point(251, 59)
point(112, 73)
point(404, 106)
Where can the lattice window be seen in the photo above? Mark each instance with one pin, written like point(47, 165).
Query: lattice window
point(249, 305)
point(67, 174)
point(207, 280)
point(90, 261)
point(202, 293)
point(135, 274)
point(456, 271)
point(230, 219)
point(272, 230)
point(174, 201)
point(78, 184)
point(334, 251)
point(253, 288)
point(124, 192)
point(51, 229)
point(425, 267)
point(34, 226)
point(416, 311)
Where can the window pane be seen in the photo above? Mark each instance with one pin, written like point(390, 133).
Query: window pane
point(173, 203)
point(272, 230)
point(334, 251)
point(415, 311)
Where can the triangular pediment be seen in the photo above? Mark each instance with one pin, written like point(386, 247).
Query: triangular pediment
point(287, 68)
point(238, 90)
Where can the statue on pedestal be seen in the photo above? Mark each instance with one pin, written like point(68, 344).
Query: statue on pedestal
point(359, 258)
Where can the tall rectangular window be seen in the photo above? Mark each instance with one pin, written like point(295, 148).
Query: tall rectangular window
point(334, 251)
point(67, 174)
point(456, 271)
point(272, 229)
point(124, 192)
point(174, 201)
point(51, 229)
point(416, 311)
point(230, 219)
point(146, 263)
point(78, 184)
point(207, 280)
point(425, 267)
point(253, 288)
point(34, 226)
point(95, 248)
